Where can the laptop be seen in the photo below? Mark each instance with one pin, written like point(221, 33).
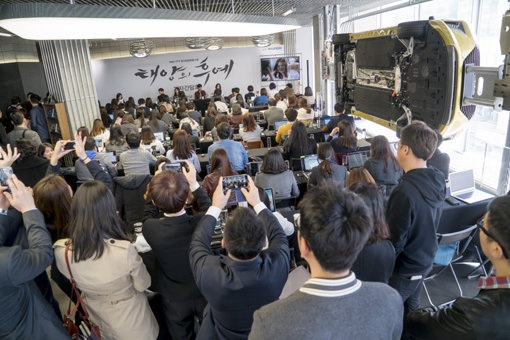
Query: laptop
point(357, 159)
point(462, 187)
point(110, 156)
point(309, 162)
point(279, 123)
point(159, 136)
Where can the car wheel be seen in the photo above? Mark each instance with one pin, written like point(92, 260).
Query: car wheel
point(339, 39)
point(416, 29)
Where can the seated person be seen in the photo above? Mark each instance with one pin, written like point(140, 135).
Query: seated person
point(261, 99)
point(237, 116)
point(170, 238)
point(135, 161)
point(199, 93)
point(182, 150)
point(25, 312)
point(346, 141)
point(220, 167)
point(275, 174)
point(191, 137)
point(359, 175)
point(283, 131)
point(192, 113)
point(273, 113)
point(298, 143)
point(186, 119)
point(157, 124)
point(484, 316)
point(82, 172)
point(250, 132)
point(117, 142)
point(383, 165)
point(249, 277)
point(149, 141)
point(333, 304)
point(440, 160)
point(376, 261)
point(128, 124)
point(248, 98)
point(220, 118)
point(235, 150)
point(20, 130)
point(339, 116)
point(29, 167)
point(327, 170)
point(305, 113)
point(210, 116)
point(219, 101)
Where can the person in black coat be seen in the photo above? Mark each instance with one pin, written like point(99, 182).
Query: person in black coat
point(30, 168)
point(413, 212)
point(440, 160)
point(298, 143)
point(129, 198)
point(249, 277)
point(25, 313)
point(346, 141)
point(170, 238)
point(376, 260)
point(484, 316)
point(327, 170)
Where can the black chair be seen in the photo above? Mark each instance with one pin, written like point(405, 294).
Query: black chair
point(257, 108)
point(296, 164)
point(450, 239)
point(289, 202)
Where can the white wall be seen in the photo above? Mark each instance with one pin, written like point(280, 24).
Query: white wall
point(304, 46)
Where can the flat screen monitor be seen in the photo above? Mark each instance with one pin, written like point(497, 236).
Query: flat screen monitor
point(280, 68)
point(159, 136)
point(279, 123)
point(309, 162)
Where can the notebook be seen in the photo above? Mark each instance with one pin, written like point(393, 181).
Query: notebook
point(462, 187)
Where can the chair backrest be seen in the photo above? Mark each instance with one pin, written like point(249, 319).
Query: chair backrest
point(296, 164)
point(255, 144)
point(456, 236)
point(339, 157)
point(285, 202)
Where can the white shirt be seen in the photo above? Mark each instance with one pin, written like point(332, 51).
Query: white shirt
point(159, 146)
point(303, 115)
point(221, 107)
point(281, 104)
point(250, 136)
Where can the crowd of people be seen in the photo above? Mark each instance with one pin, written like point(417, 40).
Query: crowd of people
point(140, 241)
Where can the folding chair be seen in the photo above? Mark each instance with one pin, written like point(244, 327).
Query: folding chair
point(446, 257)
point(255, 144)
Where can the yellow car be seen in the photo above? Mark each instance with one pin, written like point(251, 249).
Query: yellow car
point(414, 71)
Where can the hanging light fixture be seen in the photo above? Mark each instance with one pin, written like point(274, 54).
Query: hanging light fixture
point(214, 44)
point(141, 48)
point(263, 40)
point(197, 43)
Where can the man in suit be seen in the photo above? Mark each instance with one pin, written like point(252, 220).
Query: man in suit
point(170, 238)
point(252, 275)
point(333, 304)
point(38, 119)
point(273, 113)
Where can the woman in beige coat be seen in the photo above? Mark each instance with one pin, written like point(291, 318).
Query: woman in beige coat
point(106, 267)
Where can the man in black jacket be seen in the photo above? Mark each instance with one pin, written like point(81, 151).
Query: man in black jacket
point(486, 315)
point(413, 212)
point(249, 277)
point(170, 238)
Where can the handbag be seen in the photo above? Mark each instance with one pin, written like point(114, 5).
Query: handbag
point(87, 329)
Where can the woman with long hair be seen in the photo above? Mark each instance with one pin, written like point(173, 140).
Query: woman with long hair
point(292, 102)
point(275, 174)
point(298, 143)
point(376, 261)
point(327, 170)
point(305, 113)
point(280, 103)
point(106, 266)
point(210, 116)
point(237, 116)
point(346, 141)
point(140, 118)
point(149, 142)
point(182, 150)
point(157, 124)
point(128, 124)
point(359, 175)
point(119, 98)
point(99, 131)
point(220, 118)
point(250, 132)
point(117, 142)
point(220, 167)
point(383, 165)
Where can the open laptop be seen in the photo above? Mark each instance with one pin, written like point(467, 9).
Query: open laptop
point(462, 187)
point(309, 162)
point(357, 159)
point(279, 123)
point(159, 136)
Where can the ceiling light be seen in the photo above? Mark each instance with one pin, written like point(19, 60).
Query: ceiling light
point(47, 21)
point(290, 11)
point(263, 41)
point(197, 43)
point(214, 44)
point(141, 48)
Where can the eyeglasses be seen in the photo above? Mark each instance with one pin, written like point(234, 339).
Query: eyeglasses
point(480, 226)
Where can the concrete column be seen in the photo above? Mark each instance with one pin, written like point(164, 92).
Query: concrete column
point(69, 76)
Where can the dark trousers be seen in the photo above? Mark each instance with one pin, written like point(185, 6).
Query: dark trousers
point(408, 289)
point(180, 316)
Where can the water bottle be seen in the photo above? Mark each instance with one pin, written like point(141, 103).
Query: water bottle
point(268, 142)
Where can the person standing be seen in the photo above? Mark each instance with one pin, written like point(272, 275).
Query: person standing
point(38, 119)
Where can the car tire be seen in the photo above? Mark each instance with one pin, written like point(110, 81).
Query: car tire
point(416, 29)
point(340, 39)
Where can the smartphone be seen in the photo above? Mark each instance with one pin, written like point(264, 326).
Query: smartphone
point(99, 143)
point(5, 175)
point(235, 183)
point(70, 145)
point(173, 166)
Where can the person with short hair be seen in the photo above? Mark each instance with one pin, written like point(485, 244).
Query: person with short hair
point(413, 212)
point(328, 170)
point(334, 226)
point(182, 150)
point(248, 97)
point(440, 160)
point(82, 172)
point(272, 90)
point(484, 316)
point(200, 94)
point(29, 168)
point(262, 98)
point(135, 161)
point(219, 101)
point(250, 276)
point(250, 132)
point(340, 115)
point(192, 113)
point(170, 238)
point(161, 94)
point(38, 119)
point(273, 113)
point(20, 130)
point(235, 150)
point(141, 103)
point(283, 131)
point(275, 174)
